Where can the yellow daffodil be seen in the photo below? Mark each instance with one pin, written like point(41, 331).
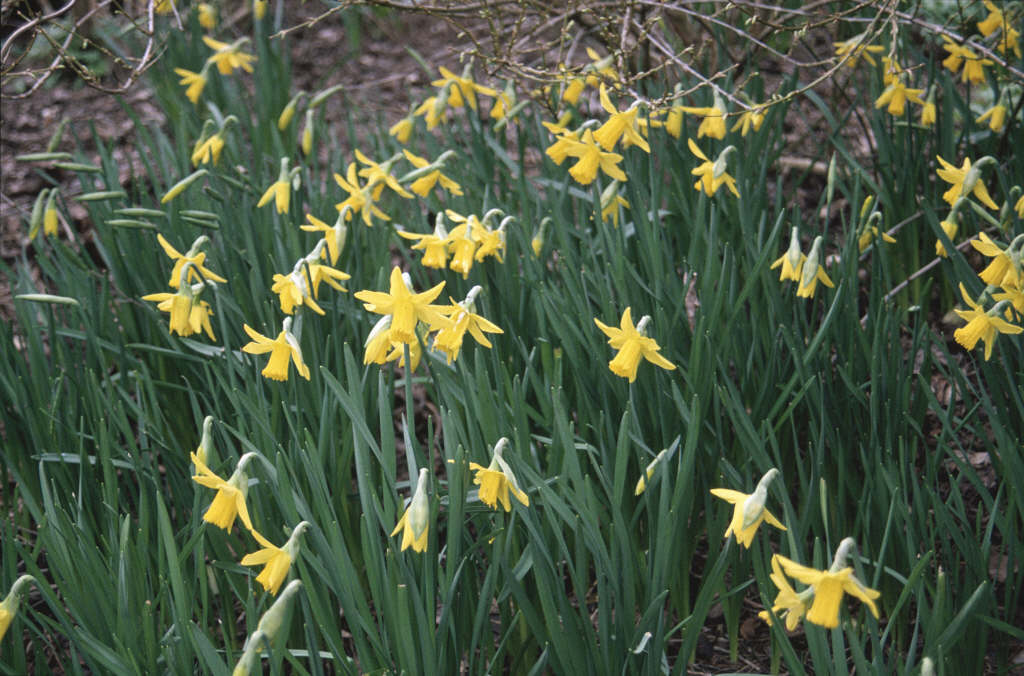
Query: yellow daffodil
point(193, 256)
point(611, 200)
point(870, 234)
point(855, 49)
point(228, 57)
point(748, 510)
point(433, 111)
point(996, 21)
point(792, 261)
point(749, 119)
point(276, 561)
point(813, 272)
point(463, 247)
point(425, 183)
point(462, 90)
point(9, 606)
point(193, 83)
point(280, 191)
point(1014, 295)
point(537, 241)
point(285, 118)
point(415, 522)
point(564, 141)
point(928, 113)
point(379, 174)
point(188, 314)
point(378, 342)
point(1019, 207)
point(489, 242)
point(433, 245)
point(965, 179)
point(633, 345)
point(590, 158)
point(229, 502)
point(319, 273)
point(712, 175)
point(713, 124)
point(207, 151)
point(496, 481)
point(360, 198)
point(996, 117)
point(402, 130)
point(405, 307)
point(891, 71)
point(974, 66)
point(293, 289)
point(896, 96)
point(981, 325)
point(464, 319)
point(788, 603)
point(620, 125)
point(1005, 268)
point(830, 586)
point(207, 15)
point(950, 228)
point(282, 349)
point(334, 237)
point(641, 484)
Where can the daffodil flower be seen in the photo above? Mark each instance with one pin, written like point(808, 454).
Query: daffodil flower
point(974, 66)
point(405, 307)
point(497, 480)
point(229, 502)
point(193, 83)
point(982, 325)
point(590, 159)
point(891, 71)
point(788, 603)
point(620, 125)
point(276, 561)
point(433, 111)
point(996, 21)
point(279, 190)
point(632, 345)
point(293, 289)
point(462, 90)
point(228, 57)
point(565, 140)
point(282, 349)
point(748, 510)
point(813, 272)
point(854, 49)
point(193, 256)
point(361, 199)
point(611, 200)
point(712, 175)
point(928, 113)
point(463, 246)
point(896, 96)
point(50, 214)
point(996, 117)
point(830, 586)
point(792, 261)
point(424, 183)
point(188, 314)
point(749, 119)
point(334, 237)
point(490, 242)
point(713, 124)
point(415, 522)
point(1006, 267)
point(464, 319)
point(433, 245)
point(379, 174)
point(207, 15)
point(965, 179)
point(402, 130)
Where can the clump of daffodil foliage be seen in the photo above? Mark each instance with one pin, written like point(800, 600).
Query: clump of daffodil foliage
point(537, 376)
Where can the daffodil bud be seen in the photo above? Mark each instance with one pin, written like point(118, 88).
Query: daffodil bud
point(182, 185)
point(830, 186)
point(289, 111)
point(205, 450)
point(322, 96)
point(641, 484)
point(307, 134)
point(274, 618)
point(50, 214)
point(249, 661)
point(35, 221)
